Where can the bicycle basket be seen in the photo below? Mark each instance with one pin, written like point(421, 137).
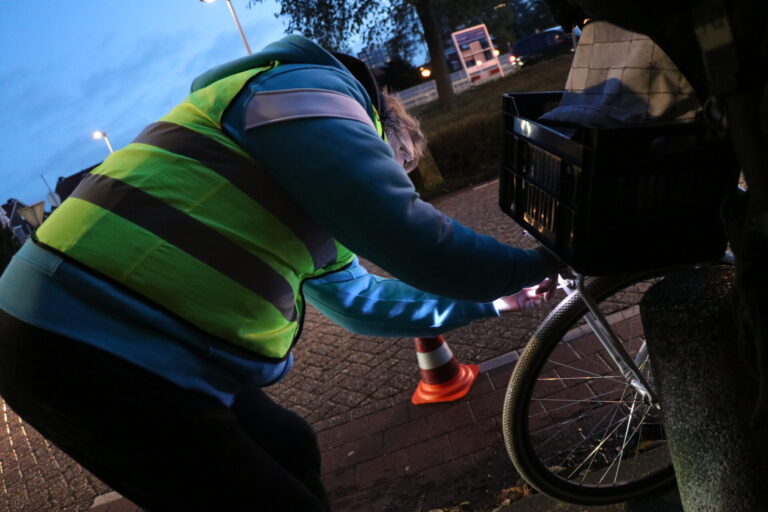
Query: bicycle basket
point(610, 200)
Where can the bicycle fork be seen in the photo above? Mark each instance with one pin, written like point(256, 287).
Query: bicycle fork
point(602, 329)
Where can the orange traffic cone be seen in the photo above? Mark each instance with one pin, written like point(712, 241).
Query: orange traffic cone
point(443, 378)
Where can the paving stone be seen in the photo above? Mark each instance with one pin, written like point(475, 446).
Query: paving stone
point(500, 377)
point(487, 405)
point(345, 433)
point(373, 472)
point(387, 418)
point(342, 479)
point(406, 434)
point(448, 474)
point(449, 419)
point(474, 437)
point(353, 453)
point(418, 457)
point(343, 378)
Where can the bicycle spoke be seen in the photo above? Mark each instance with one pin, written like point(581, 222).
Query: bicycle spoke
point(586, 401)
point(570, 401)
point(563, 425)
point(618, 378)
point(596, 449)
point(584, 438)
point(625, 444)
point(574, 411)
point(637, 429)
point(608, 432)
point(607, 436)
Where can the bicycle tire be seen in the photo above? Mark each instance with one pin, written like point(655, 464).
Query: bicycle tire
point(524, 425)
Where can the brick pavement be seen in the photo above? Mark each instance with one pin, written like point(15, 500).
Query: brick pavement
point(410, 457)
point(340, 376)
point(380, 452)
point(421, 457)
point(36, 476)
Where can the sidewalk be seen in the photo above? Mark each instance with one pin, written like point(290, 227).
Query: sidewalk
point(410, 457)
point(380, 452)
point(420, 458)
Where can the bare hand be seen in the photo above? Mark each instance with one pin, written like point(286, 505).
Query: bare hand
point(524, 299)
point(547, 287)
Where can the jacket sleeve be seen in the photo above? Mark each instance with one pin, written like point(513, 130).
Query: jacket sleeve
point(344, 177)
point(368, 304)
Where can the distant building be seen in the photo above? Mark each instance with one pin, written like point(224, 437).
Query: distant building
point(66, 185)
point(11, 212)
point(20, 227)
point(5, 221)
point(451, 57)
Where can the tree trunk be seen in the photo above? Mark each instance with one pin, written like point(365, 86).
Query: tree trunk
point(434, 40)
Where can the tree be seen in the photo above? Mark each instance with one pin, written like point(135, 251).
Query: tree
point(398, 74)
point(530, 16)
point(332, 22)
point(506, 21)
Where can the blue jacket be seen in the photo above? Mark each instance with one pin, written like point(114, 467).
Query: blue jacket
point(343, 175)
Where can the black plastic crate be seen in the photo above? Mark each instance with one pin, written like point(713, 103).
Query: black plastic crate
point(610, 200)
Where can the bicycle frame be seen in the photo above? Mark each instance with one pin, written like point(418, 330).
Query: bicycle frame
point(605, 335)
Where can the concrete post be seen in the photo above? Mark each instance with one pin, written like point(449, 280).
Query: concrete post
point(708, 393)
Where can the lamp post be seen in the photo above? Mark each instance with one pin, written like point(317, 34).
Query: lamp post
point(102, 135)
point(237, 23)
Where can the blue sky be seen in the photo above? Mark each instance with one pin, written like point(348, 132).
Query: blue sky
point(68, 68)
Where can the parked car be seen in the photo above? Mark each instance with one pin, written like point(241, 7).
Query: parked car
point(540, 46)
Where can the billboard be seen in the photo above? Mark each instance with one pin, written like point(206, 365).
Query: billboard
point(476, 53)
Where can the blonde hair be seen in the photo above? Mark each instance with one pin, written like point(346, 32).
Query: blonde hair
point(402, 131)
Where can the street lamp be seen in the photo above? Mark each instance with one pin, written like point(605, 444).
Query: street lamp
point(237, 23)
point(102, 135)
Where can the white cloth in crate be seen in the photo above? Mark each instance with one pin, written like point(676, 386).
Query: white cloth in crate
point(620, 78)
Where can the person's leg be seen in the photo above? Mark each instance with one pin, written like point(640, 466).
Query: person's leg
point(286, 436)
point(162, 447)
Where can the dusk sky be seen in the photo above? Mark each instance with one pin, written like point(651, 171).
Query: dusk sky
point(68, 68)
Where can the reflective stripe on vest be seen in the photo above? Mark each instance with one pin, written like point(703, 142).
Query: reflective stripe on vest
point(186, 218)
point(190, 235)
point(283, 105)
point(239, 171)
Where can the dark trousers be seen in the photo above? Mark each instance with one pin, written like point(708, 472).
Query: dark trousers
point(160, 446)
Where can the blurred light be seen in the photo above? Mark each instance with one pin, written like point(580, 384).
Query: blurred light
point(98, 134)
point(496, 53)
point(526, 127)
point(425, 72)
point(478, 62)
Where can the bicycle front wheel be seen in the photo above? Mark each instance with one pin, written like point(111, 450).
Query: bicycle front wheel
point(574, 426)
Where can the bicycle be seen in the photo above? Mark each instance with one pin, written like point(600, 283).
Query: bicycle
point(582, 421)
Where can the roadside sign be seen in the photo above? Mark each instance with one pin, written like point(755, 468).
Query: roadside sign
point(476, 53)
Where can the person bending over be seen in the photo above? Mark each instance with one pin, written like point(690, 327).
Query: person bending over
point(143, 320)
